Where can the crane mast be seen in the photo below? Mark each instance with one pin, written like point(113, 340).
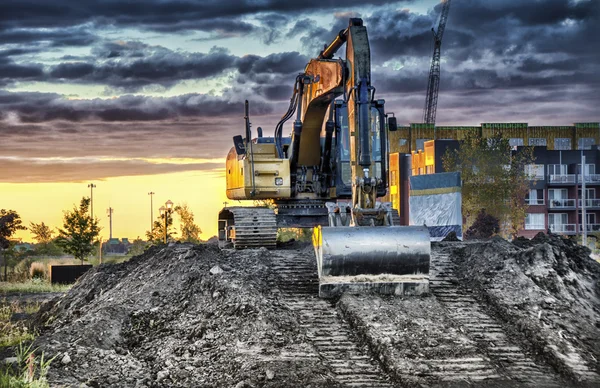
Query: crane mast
point(433, 84)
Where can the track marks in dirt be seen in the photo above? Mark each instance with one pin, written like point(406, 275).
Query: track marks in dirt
point(331, 337)
point(462, 307)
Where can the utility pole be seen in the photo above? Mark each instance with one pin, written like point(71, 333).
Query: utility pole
point(92, 186)
point(109, 211)
point(151, 211)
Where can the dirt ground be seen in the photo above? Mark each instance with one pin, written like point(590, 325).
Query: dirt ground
point(179, 316)
point(548, 289)
point(523, 314)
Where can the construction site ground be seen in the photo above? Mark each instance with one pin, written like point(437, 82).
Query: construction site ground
point(499, 314)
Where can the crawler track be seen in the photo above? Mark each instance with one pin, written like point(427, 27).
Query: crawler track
point(507, 357)
point(254, 227)
point(331, 336)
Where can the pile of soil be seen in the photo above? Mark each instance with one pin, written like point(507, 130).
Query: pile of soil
point(547, 288)
point(183, 315)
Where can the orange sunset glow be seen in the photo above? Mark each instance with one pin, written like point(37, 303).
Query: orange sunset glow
point(203, 191)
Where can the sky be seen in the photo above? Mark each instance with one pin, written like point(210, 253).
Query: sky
point(145, 96)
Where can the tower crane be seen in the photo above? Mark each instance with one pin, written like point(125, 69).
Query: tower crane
point(433, 84)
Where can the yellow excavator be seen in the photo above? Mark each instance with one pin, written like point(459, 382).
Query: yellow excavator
point(328, 176)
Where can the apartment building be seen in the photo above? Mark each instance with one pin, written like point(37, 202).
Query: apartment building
point(555, 198)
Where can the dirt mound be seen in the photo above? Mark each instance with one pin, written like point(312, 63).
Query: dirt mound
point(548, 289)
point(179, 316)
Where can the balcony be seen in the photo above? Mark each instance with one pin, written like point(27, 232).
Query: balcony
point(561, 204)
point(590, 228)
point(562, 228)
point(535, 227)
point(562, 179)
point(593, 179)
point(534, 201)
point(590, 203)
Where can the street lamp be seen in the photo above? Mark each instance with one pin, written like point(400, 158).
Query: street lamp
point(151, 212)
point(165, 212)
point(91, 186)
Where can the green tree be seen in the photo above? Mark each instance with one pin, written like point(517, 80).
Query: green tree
point(494, 178)
point(189, 230)
point(10, 222)
point(157, 234)
point(80, 232)
point(42, 234)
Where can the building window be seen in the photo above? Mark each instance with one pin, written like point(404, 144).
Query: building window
point(535, 197)
point(515, 142)
point(590, 169)
point(421, 144)
point(534, 171)
point(590, 219)
point(534, 221)
point(537, 141)
point(589, 193)
point(586, 143)
point(562, 143)
point(559, 222)
point(558, 194)
point(557, 169)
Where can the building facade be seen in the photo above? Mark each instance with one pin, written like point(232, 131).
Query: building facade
point(555, 200)
point(577, 136)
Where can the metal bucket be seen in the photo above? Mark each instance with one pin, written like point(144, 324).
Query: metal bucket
point(382, 259)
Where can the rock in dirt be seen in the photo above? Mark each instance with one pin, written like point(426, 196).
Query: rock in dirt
point(216, 270)
point(65, 360)
point(10, 360)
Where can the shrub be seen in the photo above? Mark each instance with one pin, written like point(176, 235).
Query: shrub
point(485, 226)
point(38, 270)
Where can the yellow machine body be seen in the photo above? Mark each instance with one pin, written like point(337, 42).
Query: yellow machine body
point(269, 177)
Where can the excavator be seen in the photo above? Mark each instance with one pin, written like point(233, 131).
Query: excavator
point(328, 176)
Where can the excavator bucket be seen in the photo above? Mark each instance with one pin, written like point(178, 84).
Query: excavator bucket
point(391, 260)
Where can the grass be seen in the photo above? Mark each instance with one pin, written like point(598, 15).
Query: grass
point(32, 286)
point(15, 333)
point(29, 371)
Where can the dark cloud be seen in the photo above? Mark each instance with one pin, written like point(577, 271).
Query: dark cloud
point(65, 36)
point(43, 107)
point(282, 63)
point(11, 71)
point(132, 66)
point(158, 15)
